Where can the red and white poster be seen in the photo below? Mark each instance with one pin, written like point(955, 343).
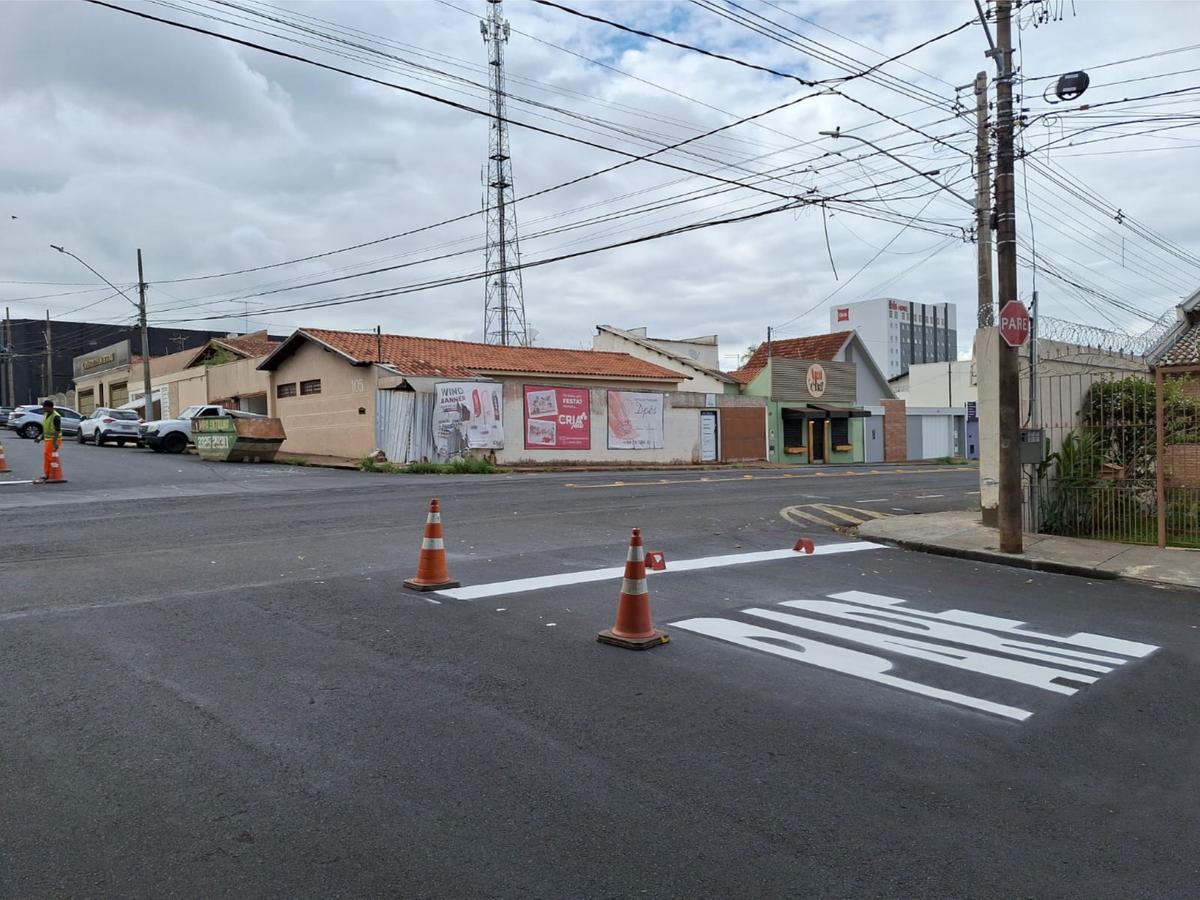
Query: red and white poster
point(557, 418)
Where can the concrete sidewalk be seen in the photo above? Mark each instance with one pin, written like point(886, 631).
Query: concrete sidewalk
point(962, 534)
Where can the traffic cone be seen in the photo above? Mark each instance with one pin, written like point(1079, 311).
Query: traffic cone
point(56, 472)
point(432, 574)
point(3, 461)
point(633, 629)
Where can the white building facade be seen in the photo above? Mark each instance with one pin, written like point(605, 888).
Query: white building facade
point(900, 333)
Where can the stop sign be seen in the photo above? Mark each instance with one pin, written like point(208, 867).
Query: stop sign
point(1014, 323)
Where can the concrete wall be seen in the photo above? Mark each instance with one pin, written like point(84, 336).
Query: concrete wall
point(698, 381)
point(339, 421)
point(241, 379)
point(681, 423)
point(101, 386)
point(939, 384)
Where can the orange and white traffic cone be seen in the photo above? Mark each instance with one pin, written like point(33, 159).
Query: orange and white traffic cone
point(633, 629)
point(3, 461)
point(56, 471)
point(432, 574)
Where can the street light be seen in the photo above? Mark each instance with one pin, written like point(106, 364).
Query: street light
point(837, 133)
point(147, 403)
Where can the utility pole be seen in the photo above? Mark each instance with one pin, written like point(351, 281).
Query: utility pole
point(148, 400)
point(504, 301)
point(48, 373)
point(983, 204)
point(768, 342)
point(378, 344)
point(1006, 246)
point(11, 399)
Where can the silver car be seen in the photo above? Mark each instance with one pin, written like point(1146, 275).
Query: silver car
point(110, 426)
point(27, 420)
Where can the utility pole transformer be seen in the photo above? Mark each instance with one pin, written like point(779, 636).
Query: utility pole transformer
point(1009, 513)
point(148, 400)
point(504, 301)
point(983, 203)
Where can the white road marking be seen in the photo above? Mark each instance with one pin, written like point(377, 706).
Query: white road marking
point(944, 638)
point(969, 493)
point(837, 659)
point(521, 585)
point(15, 482)
point(928, 496)
point(873, 500)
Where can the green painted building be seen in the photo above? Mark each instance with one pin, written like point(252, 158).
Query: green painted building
point(818, 391)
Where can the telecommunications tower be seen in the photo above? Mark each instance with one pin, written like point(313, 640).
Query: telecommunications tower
point(504, 302)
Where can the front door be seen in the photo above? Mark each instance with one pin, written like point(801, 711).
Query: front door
point(816, 440)
point(708, 435)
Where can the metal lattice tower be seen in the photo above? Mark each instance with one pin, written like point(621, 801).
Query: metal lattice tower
point(504, 301)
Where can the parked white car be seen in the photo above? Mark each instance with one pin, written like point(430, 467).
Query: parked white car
point(174, 435)
point(110, 426)
point(27, 420)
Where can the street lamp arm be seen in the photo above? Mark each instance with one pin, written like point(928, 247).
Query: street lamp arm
point(93, 271)
point(838, 134)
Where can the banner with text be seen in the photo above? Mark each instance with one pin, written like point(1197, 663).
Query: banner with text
point(467, 415)
point(557, 418)
point(635, 420)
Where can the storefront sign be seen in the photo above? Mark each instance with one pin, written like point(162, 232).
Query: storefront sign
point(816, 380)
point(468, 415)
point(557, 418)
point(635, 420)
point(114, 356)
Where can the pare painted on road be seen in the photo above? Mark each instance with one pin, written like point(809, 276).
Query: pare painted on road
point(955, 638)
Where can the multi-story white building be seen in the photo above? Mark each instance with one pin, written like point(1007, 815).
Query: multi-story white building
point(899, 333)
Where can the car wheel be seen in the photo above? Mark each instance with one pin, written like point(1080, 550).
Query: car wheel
point(157, 449)
point(30, 431)
point(120, 443)
point(175, 443)
point(79, 438)
point(98, 438)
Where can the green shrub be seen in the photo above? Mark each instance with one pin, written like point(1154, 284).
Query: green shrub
point(459, 466)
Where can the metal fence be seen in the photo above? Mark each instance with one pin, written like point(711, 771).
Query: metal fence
point(1098, 479)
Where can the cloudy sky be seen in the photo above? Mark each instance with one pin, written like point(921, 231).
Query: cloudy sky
point(122, 133)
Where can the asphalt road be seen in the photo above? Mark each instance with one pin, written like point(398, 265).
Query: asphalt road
point(215, 685)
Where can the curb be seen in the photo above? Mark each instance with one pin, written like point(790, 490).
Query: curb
point(1013, 561)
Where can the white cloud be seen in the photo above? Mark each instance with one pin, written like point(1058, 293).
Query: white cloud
point(123, 133)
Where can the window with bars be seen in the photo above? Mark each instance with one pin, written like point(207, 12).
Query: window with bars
point(285, 390)
point(795, 431)
point(312, 386)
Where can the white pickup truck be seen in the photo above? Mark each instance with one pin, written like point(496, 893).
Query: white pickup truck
point(174, 435)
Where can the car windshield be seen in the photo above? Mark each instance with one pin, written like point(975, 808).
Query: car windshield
point(124, 414)
point(190, 412)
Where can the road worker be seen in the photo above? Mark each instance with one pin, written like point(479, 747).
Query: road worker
point(51, 437)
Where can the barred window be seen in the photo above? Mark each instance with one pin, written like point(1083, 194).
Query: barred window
point(839, 431)
point(285, 390)
point(312, 386)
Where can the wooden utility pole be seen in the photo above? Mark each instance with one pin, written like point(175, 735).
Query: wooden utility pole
point(148, 399)
point(983, 203)
point(1006, 251)
point(48, 367)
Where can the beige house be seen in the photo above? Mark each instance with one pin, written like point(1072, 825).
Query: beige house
point(346, 394)
point(224, 370)
point(697, 358)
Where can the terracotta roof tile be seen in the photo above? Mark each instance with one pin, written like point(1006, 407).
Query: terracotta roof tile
point(1185, 349)
point(250, 345)
point(436, 358)
point(822, 347)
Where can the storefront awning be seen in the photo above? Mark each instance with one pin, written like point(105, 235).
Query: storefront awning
point(821, 411)
point(155, 396)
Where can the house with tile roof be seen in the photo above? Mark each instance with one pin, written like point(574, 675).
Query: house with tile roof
point(824, 398)
point(344, 393)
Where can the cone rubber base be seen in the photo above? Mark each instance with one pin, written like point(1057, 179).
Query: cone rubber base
point(59, 481)
point(658, 637)
point(414, 585)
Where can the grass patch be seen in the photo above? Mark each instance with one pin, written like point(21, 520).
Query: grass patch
point(291, 461)
point(461, 466)
point(951, 461)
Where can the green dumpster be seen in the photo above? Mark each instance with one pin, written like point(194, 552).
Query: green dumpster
point(236, 439)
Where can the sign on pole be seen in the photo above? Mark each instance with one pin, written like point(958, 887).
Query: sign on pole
point(1014, 323)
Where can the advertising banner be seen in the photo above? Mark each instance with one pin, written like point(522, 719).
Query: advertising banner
point(635, 420)
point(557, 418)
point(468, 416)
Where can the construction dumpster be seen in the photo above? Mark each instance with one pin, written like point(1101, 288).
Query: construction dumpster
point(237, 439)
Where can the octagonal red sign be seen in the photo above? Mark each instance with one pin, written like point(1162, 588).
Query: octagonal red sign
point(1014, 323)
